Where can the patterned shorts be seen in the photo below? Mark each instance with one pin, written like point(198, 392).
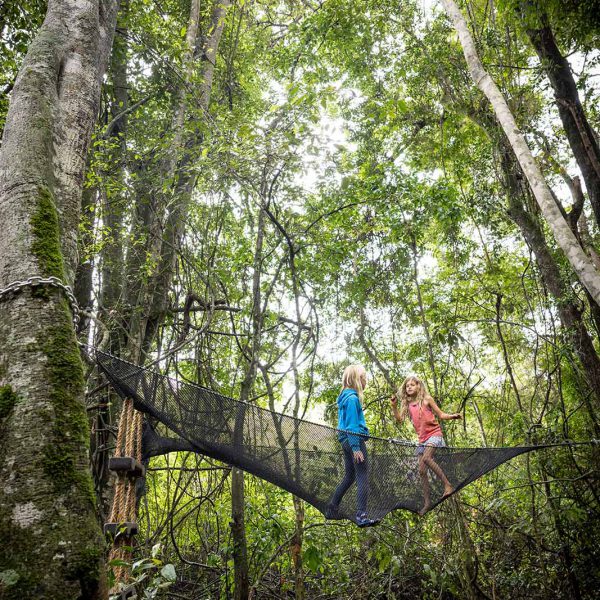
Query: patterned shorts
point(437, 441)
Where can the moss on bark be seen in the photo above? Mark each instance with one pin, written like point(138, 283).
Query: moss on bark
point(8, 399)
point(46, 235)
point(82, 565)
point(19, 580)
point(72, 546)
point(70, 432)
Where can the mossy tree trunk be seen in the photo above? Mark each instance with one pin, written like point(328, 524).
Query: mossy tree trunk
point(51, 542)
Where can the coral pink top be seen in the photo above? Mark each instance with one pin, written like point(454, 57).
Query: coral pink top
point(424, 422)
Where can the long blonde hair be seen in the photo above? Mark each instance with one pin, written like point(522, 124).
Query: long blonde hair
point(352, 379)
point(405, 399)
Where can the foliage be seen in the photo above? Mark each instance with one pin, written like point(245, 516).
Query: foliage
point(350, 203)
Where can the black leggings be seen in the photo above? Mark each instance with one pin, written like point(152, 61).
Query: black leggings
point(354, 470)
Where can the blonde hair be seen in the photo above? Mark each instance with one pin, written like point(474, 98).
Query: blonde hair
point(352, 379)
point(405, 399)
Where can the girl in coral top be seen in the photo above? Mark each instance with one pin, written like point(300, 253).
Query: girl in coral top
point(422, 409)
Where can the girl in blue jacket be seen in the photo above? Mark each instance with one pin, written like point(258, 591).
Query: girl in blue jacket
point(351, 419)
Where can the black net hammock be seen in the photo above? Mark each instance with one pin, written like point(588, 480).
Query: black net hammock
point(301, 457)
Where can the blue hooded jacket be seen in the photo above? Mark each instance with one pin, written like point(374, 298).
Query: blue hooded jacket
point(351, 418)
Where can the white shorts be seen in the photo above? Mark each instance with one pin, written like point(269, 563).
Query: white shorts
point(437, 441)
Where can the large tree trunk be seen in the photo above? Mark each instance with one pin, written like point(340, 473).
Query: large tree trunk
point(51, 543)
point(579, 133)
point(580, 261)
point(570, 314)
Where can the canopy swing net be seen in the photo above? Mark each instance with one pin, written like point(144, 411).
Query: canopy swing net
point(299, 456)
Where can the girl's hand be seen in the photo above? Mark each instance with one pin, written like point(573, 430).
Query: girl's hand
point(358, 456)
point(394, 401)
point(457, 416)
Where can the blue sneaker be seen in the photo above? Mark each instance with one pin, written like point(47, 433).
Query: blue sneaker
point(363, 521)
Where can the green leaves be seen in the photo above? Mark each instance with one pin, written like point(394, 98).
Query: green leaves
point(312, 558)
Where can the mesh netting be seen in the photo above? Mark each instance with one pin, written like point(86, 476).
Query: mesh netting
point(301, 457)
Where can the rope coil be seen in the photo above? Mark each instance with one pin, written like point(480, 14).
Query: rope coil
point(36, 281)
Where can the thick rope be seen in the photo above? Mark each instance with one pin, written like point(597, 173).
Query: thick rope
point(116, 513)
point(123, 510)
point(138, 430)
point(121, 433)
point(130, 435)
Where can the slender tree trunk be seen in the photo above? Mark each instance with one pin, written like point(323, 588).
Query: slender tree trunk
point(114, 203)
point(296, 546)
point(85, 269)
point(51, 543)
point(113, 209)
point(241, 580)
point(424, 322)
point(150, 215)
point(580, 261)
point(370, 351)
point(240, 545)
point(183, 175)
point(506, 357)
point(160, 216)
point(565, 547)
point(579, 133)
point(298, 539)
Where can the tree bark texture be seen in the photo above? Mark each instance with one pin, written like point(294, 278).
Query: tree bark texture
point(52, 546)
point(580, 261)
point(577, 128)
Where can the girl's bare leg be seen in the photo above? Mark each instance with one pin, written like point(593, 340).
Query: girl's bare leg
point(426, 462)
point(425, 483)
point(428, 459)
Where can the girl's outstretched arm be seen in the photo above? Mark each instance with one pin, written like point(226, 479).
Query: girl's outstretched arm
point(399, 418)
point(439, 413)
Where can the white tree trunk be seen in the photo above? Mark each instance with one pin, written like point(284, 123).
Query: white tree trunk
point(52, 546)
point(580, 261)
